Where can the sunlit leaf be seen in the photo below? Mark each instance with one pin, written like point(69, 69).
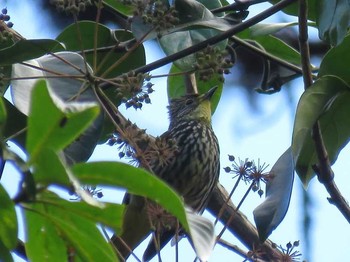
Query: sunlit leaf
point(8, 220)
point(27, 49)
point(59, 124)
point(81, 234)
point(327, 100)
point(110, 215)
point(269, 214)
point(135, 180)
point(5, 255)
point(333, 18)
point(50, 168)
point(43, 240)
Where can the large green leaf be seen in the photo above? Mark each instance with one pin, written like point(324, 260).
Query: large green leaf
point(135, 180)
point(337, 61)
point(8, 220)
point(333, 18)
point(81, 234)
point(27, 49)
point(5, 255)
point(272, 45)
point(59, 124)
point(105, 57)
point(43, 240)
point(109, 215)
point(327, 100)
point(176, 86)
point(75, 88)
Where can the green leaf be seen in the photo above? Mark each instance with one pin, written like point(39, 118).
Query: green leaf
point(67, 89)
point(269, 214)
point(337, 61)
point(267, 29)
point(327, 100)
point(135, 180)
point(273, 46)
point(110, 215)
point(5, 72)
point(49, 169)
point(105, 57)
point(8, 220)
point(293, 9)
point(5, 255)
point(3, 114)
point(333, 20)
point(59, 124)
point(15, 122)
point(176, 86)
point(80, 233)
point(119, 7)
point(27, 49)
point(43, 240)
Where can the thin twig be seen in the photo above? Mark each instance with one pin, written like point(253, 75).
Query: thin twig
point(323, 170)
point(238, 251)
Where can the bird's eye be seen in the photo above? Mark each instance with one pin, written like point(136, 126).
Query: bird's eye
point(189, 101)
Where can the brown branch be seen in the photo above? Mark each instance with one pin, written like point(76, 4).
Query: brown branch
point(323, 170)
point(239, 225)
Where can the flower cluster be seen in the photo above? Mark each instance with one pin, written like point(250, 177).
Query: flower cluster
point(212, 60)
point(249, 172)
point(71, 6)
point(5, 24)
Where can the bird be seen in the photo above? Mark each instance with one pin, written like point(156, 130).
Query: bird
point(192, 170)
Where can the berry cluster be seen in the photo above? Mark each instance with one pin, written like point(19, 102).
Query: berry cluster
point(212, 60)
point(71, 6)
point(4, 25)
point(155, 13)
point(132, 85)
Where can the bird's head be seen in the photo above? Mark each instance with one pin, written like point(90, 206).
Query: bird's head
point(191, 107)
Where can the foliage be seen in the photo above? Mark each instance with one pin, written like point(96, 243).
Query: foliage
point(66, 93)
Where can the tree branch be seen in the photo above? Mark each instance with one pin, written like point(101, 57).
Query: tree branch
point(215, 39)
point(323, 170)
point(239, 225)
